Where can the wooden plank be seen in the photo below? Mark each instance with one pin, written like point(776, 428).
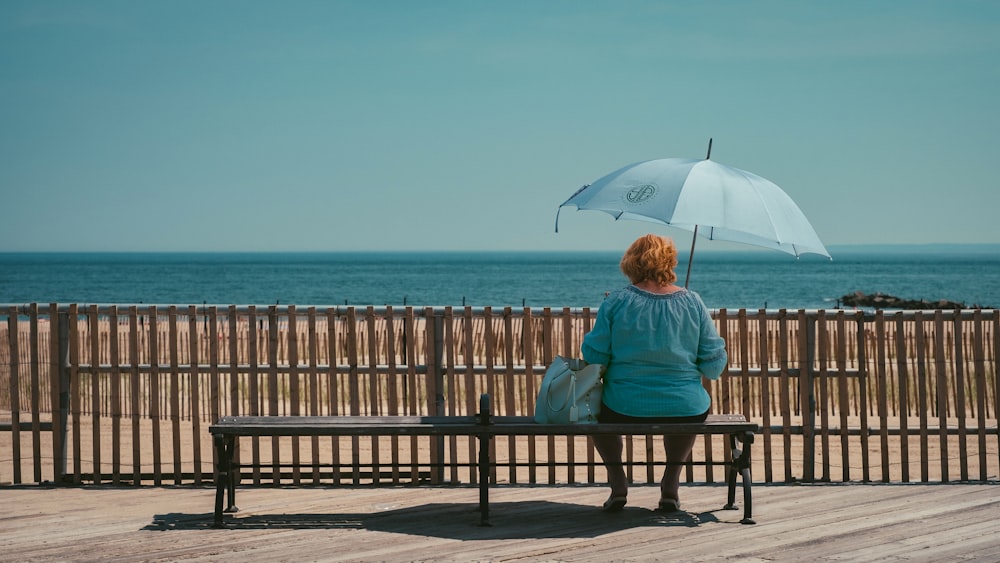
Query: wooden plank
point(903, 397)
point(215, 374)
point(394, 380)
point(510, 386)
point(15, 390)
point(806, 406)
point(940, 365)
point(996, 370)
point(528, 331)
point(392, 335)
point(333, 405)
point(863, 376)
point(254, 388)
point(34, 359)
point(745, 350)
point(922, 398)
point(569, 351)
point(373, 391)
point(55, 383)
point(272, 387)
point(295, 394)
point(234, 354)
point(548, 345)
point(313, 390)
point(784, 361)
point(958, 377)
point(764, 343)
point(194, 397)
point(825, 402)
point(410, 330)
point(116, 397)
point(354, 389)
point(979, 368)
point(175, 398)
point(409, 324)
point(433, 382)
point(95, 391)
point(135, 391)
point(724, 382)
point(881, 391)
point(843, 401)
point(75, 398)
point(154, 394)
point(489, 341)
point(450, 381)
point(743, 353)
point(470, 396)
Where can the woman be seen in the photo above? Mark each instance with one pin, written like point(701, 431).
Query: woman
point(658, 341)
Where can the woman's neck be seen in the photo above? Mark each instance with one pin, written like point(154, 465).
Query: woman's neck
point(656, 287)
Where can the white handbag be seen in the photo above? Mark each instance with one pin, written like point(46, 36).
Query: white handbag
point(570, 393)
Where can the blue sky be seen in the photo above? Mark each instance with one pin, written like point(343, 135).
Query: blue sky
point(462, 125)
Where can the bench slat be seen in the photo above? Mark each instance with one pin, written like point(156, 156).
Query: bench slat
point(457, 425)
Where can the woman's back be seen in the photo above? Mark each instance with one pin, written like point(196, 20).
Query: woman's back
point(656, 347)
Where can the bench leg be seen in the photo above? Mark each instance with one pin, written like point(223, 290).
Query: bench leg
point(224, 449)
point(741, 465)
point(234, 475)
point(484, 479)
point(485, 442)
point(221, 477)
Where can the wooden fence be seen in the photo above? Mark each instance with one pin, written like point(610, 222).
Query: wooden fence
point(108, 394)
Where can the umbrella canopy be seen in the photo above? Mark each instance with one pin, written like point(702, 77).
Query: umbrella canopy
point(714, 200)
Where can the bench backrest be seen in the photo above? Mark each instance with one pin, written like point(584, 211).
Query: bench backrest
point(458, 425)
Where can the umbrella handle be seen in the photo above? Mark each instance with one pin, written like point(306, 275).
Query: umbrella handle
point(691, 257)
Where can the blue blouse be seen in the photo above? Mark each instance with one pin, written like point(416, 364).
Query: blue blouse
point(656, 349)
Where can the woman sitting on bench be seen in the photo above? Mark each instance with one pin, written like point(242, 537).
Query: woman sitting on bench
point(657, 340)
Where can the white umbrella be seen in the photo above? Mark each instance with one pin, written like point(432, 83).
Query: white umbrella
point(714, 200)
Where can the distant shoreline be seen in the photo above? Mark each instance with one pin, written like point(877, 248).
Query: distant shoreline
point(897, 249)
point(936, 248)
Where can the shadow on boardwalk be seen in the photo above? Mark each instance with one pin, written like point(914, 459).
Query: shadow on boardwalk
point(821, 522)
point(459, 521)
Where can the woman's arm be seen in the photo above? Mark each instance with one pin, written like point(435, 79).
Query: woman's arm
point(712, 357)
point(596, 347)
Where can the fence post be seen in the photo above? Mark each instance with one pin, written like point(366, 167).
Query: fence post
point(64, 396)
point(807, 378)
point(436, 373)
point(436, 370)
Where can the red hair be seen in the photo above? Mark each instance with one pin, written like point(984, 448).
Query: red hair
point(651, 258)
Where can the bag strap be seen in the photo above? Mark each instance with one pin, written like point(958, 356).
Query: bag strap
point(570, 395)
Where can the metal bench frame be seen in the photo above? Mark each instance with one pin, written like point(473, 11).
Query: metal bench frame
point(484, 426)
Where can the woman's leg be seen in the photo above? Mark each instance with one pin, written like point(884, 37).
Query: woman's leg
point(678, 451)
point(610, 448)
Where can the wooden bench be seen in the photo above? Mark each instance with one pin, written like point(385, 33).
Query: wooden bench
point(484, 427)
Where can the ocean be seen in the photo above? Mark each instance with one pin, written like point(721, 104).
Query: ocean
point(724, 279)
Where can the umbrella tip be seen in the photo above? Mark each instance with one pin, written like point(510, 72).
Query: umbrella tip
point(709, 155)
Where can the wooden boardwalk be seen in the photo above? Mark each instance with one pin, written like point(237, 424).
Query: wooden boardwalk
point(823, 522)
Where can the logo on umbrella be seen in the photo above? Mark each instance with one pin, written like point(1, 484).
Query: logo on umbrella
point(640, 194)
